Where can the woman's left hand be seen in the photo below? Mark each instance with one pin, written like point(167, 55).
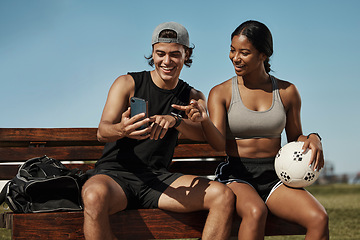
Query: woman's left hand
point(195, 111)
point(317, 157)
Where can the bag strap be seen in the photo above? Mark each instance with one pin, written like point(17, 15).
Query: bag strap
point(51, 169)
point(42, 167)
point(4, 193)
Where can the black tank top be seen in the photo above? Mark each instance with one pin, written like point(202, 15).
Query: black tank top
point(135, 155)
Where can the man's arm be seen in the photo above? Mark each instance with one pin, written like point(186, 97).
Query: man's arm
point(115, 121)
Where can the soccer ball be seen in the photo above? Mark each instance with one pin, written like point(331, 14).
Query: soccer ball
point(292, 166)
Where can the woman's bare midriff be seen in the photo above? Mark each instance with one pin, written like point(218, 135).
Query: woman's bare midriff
point(253, 148)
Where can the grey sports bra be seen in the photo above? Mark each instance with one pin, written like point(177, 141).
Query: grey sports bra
point(243, 123)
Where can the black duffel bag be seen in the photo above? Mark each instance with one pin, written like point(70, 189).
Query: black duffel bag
point(44, 184)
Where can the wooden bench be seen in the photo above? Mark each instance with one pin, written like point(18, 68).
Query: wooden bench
point(79, 148)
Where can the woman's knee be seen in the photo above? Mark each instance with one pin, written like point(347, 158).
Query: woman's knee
point(318, 219)
point(226, 195)
point(223, 196)
point(251, 210)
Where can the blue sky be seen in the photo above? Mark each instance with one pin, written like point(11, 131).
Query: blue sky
point(58, 58)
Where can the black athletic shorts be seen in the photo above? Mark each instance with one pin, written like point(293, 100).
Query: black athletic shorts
point(142, 188)
point(257, 172)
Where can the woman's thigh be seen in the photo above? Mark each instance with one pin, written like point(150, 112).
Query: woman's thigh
point(293, 204)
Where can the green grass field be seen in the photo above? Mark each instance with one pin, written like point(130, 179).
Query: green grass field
point(342, 203)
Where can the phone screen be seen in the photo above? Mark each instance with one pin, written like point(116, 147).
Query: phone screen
point(138, 105)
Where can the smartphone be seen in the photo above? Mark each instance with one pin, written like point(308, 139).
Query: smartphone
point(139, 105)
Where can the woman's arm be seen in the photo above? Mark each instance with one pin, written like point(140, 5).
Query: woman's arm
point(215, 130)
point(209, 126)
point(292, 102)
point(190, 127)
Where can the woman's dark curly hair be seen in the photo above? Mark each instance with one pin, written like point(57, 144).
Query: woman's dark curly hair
point(260, 37)
point(172, 34)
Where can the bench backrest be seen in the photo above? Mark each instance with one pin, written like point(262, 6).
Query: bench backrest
point(80, 147)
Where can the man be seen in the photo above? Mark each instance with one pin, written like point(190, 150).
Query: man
point(132, 173)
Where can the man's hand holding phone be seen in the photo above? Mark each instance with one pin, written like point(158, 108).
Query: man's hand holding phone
point(129, 126)
point(155, 127)
point(134, 121)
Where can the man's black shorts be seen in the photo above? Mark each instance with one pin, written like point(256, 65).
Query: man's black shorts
point(142, 188)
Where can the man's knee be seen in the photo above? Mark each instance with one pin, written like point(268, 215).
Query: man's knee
point(97, 193)
point(95, 196)
point(102, 195)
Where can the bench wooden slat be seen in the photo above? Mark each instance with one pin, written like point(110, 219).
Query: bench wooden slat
point(9, 171)
point(202, 168)
point(73, 153)
point(129, 224)
point(47, 134)
point(68, 153)
point(276, 226)
point(197, 150)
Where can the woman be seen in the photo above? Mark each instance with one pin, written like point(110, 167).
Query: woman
point(248, 113)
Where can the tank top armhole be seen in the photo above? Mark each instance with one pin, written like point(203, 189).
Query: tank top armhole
point(275, 84)
point(235, 93)
point(138, 78)
point(277, 91)
point(235, 90)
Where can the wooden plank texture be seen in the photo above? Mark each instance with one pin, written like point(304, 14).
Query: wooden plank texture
point(202, 168)
point(131, 224)
point(66, 153)
point(47, 134)
point(276, 226)
point(15, 154)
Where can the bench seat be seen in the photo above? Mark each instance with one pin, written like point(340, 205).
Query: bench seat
point(79, 148)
